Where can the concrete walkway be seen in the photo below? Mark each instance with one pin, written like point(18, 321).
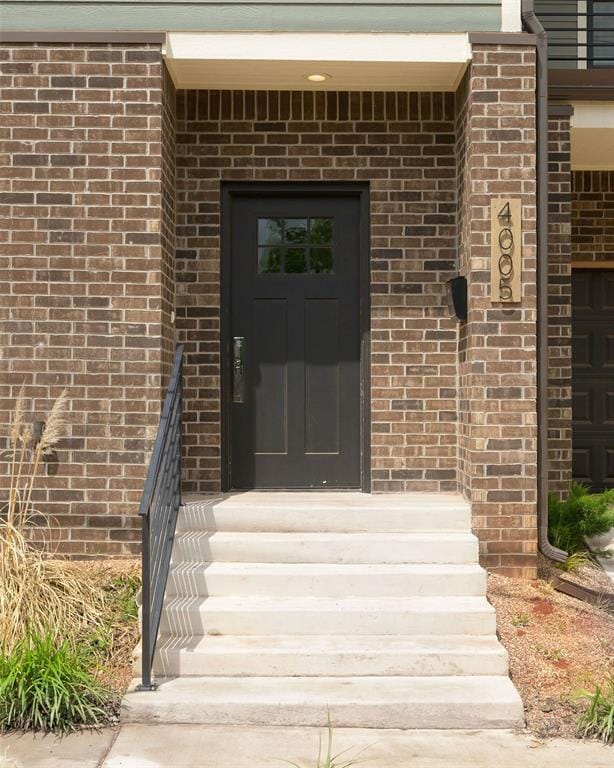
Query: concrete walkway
point(192, 746)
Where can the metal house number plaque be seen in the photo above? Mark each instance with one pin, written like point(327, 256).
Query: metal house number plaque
point(506, 250)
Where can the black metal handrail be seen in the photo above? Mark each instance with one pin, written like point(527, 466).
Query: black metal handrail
point(159, 507)
point(580, 32)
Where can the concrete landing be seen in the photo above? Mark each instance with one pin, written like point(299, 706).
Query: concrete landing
point(205, 747)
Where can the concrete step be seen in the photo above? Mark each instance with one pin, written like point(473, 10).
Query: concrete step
point(186, 616)
point(326, 512)
point(324, 580)
point(365, 702)
point(270, 547)
point(258, 656)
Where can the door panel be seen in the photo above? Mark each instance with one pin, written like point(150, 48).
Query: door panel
point(593, 377)
point(295, 296)
point(322, 376)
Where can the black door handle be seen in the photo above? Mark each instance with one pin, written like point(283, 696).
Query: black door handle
point(238, 369)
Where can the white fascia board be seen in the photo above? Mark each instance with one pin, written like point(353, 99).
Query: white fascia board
point(593, 114)
point(511, 19)
point(315, 46)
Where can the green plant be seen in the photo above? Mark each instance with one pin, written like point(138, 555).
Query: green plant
point(46, 685)
point(598, 719)
point(552, 654)
point(330, 760)
point(521, 619)
point(581, 515)
point(576, 561)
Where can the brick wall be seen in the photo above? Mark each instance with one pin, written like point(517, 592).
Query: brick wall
point(592, 228)
point(559, 301)
point(84, 306)
point(404, 145)
point(497, 372)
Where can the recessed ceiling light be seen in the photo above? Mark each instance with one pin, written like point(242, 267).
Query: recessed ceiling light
point(318, 77)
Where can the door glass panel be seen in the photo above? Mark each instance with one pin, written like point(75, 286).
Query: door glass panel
point(270, 231)
point(296, 246)
point(269, 260)
point(321, 231)
point(295, 231)
point(321, 261)
point(296, 260)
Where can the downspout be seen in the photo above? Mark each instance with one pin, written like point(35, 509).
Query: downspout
point(532, 24)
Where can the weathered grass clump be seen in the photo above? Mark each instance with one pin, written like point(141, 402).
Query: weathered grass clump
point(598, 719)
point(37, 594)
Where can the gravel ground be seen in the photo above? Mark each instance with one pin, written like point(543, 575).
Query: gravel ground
point(557, 645)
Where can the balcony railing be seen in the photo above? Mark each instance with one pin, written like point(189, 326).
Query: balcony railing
point(580, 32)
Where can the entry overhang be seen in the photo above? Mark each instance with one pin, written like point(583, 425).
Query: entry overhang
point(592, 136)
point(282, 61)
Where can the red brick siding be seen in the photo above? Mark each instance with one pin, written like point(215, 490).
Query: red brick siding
point(403, 144)
point(497, 373)
point(82, 252)
point(592, 229)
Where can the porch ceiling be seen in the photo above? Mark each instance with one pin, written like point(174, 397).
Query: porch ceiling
point(592, 136)
point(353, 62)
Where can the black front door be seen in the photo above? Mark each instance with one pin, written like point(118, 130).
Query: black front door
point(295, 417)
point(593, 377)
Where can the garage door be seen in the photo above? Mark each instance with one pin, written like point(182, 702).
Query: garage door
point(593, 377)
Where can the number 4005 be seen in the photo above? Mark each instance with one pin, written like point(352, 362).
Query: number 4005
point(506, 254)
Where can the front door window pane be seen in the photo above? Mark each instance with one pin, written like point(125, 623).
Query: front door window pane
point(296, 245)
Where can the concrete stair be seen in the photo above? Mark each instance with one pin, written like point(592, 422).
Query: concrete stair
point(281, 606)
point(357, 702)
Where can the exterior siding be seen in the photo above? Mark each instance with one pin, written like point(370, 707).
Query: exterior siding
point(106, 179)
point(245, 16)
point(404, 145)
point(84, 304)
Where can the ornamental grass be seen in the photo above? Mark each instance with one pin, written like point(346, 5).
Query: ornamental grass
point(37, 594)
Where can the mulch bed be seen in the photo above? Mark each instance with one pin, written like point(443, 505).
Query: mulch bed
point(557, 646)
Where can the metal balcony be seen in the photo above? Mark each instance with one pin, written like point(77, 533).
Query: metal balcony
point(580, 33)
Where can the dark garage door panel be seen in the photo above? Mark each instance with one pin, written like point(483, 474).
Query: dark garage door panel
point(593, 377)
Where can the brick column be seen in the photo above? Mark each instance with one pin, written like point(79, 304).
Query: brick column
point(559, 300)
point(86, 266)
point(497, 378)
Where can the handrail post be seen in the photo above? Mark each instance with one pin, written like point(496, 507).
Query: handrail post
point(146, 682)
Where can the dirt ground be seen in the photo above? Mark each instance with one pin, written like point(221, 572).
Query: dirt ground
point(557, 645)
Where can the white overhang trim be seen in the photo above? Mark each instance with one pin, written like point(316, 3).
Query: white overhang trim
point(316, 46)
point(595, 114)
point(592, 136)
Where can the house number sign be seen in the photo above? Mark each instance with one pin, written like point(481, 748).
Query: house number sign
point(506, 250)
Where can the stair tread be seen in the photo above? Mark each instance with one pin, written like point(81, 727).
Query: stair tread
point(312, 536)
point(249, 603)
point(325, 499)
point(217, 566)
point(373, 644)
point(325, 691)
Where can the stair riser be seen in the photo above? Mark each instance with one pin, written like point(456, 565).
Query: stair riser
point(172, 663)
point(327, 585)
point(472, 715)
point(185, 622)
point(202, 548)
point(322, 520)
